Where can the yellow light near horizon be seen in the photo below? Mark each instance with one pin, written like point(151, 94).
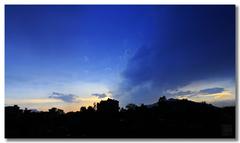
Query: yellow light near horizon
point(43, 104)
point(32, 101)
point(210, 98)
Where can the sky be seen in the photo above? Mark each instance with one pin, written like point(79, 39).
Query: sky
point(75, 55)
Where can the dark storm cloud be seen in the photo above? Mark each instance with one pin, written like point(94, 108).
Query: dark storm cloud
point(192, 43)
point(99, 95)
point(64, 97)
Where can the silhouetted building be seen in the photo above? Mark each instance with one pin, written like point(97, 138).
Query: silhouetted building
point(110, 105)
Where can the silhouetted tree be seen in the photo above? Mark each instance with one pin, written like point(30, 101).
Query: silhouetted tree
point(110, 105)
point(162, 99)
point(90, 109)
point(83, 109)
point(167, 118)
point(131, 107)
point(55, 110)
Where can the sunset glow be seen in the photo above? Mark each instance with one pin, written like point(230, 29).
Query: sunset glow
point(73, 56)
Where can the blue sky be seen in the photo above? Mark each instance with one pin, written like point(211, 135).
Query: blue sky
point(57, 54)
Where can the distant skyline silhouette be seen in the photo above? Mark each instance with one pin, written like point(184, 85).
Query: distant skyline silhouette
point(69, 56)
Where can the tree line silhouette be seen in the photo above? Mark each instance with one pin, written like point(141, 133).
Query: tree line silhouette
point(167, 118)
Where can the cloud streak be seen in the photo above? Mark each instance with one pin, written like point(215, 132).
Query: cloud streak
point(211, 90)
point(202, 92)
point(70, 98)
point(99, 95)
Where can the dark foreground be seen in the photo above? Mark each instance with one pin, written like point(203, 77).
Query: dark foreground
point(170, 118)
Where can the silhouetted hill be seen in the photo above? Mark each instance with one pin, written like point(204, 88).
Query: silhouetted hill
point(167, 118)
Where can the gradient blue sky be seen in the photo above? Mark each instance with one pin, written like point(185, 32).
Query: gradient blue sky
point(69, 56)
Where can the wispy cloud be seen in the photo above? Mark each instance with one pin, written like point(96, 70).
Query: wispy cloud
point(180, 93)
point(216, 95)
point(211, 90)
point(100, 95)
point(190, 93)
point(64, 97)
